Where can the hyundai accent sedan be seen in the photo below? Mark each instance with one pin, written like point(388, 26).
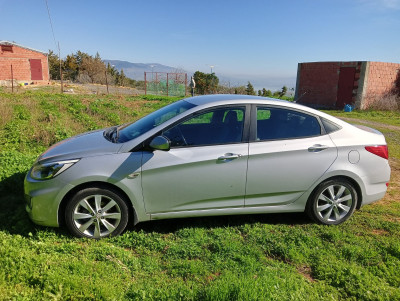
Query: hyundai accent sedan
point(208, 156)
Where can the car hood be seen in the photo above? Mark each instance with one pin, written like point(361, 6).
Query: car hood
point(84, 145)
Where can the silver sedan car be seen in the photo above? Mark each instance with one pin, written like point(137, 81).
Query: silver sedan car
point(204, 156)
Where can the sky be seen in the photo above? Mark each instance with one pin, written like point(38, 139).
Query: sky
point(257, 41)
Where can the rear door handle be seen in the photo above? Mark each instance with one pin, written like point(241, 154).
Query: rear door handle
point(317, 148)
point(229, 156)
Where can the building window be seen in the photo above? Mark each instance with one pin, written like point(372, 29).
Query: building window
point(7, 48)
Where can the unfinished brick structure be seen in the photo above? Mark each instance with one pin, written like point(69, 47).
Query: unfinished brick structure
point(334, 84)
point(28, 65)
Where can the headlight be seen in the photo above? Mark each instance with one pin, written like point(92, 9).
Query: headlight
point(50, 170)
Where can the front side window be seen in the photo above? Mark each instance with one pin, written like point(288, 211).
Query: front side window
point(274, 123)
point(218, 126)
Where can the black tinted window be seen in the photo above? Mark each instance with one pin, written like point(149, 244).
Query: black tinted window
point(137, 128)
point(220, 126)
point(273, 123)
point(329, 126)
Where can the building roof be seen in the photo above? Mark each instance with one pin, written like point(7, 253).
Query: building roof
point(15, 44)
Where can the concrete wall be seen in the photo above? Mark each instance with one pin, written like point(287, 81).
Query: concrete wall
point(19, 58)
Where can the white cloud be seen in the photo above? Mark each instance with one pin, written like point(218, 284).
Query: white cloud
point(382, 4)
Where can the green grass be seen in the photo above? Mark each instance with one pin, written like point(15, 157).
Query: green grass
point(252, 257)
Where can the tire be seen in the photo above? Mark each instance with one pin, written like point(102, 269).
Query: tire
point(96, 213)
point(333, 202)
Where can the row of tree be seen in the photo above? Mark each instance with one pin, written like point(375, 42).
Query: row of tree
point(208, 83)
point(85, 68)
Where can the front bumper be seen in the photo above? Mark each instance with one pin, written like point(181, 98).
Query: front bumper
point(43, 199)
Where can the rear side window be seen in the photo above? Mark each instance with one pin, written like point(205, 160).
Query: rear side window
point(273, 124)
point(329, 126)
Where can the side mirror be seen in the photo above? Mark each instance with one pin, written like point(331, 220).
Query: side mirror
point(160, 143)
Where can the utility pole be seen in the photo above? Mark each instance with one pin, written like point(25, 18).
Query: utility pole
point(61, 75)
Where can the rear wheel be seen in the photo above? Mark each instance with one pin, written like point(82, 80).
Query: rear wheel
point(333, 202)
point(96, 213)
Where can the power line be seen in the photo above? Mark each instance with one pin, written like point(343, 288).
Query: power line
point(57, 44)
point(51, 25)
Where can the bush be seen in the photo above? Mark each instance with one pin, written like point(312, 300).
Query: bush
point(389, 102)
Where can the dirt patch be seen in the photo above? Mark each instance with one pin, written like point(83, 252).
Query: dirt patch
point(379, 232)
point(306, 272)
point(371, 123)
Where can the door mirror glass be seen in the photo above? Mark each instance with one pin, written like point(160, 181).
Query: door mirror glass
point(160, 143)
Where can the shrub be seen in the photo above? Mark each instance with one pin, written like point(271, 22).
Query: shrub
point(389, 102)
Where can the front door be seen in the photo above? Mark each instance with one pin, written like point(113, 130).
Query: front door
point(205, 167)
point(36, 69)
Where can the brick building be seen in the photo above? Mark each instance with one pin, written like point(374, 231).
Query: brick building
point(334, 84)
point(28, 65)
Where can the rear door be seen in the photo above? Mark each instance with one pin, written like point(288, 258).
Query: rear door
point(287, 154)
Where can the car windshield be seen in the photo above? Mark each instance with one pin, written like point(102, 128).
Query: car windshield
point(135, 129)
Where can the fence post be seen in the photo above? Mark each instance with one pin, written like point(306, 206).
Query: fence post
point(105, 72)
point(12, 80)
point(145, 84)
point(185, 82)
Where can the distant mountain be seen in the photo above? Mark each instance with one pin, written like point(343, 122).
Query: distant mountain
point(136, 70)
point(273, 83)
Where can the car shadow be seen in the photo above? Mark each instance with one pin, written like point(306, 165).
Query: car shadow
point(173, 225)
point(13, 217)
point(15, 220)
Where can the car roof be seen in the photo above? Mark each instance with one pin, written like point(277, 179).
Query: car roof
point(228, 98)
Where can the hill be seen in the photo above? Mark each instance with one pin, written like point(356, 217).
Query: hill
point(136, 70)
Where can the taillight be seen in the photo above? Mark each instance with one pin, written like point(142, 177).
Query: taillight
point(379, 150)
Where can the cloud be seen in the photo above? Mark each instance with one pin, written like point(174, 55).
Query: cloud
point(382, 4)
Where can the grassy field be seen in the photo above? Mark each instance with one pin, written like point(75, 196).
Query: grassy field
point(252, 257)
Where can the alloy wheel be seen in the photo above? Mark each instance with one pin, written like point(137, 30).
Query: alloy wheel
point(334, 203)
point(96, 216)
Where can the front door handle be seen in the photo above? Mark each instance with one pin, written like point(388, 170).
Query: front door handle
point(229, 156)
point(317, 148)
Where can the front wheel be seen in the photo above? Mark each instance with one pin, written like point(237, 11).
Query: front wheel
point(333, 202)
point(96, 213)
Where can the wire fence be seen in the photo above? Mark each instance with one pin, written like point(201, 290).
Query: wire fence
point(163, 83)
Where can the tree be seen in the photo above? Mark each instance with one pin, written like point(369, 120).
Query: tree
point(212, 82)
point(54, 65)
point(121, 78)
point(266, 93)
point(250, 89)
point(259, 93)
point(70, 67)
point(205, 82)
point(94, 68)
point(283, 91)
